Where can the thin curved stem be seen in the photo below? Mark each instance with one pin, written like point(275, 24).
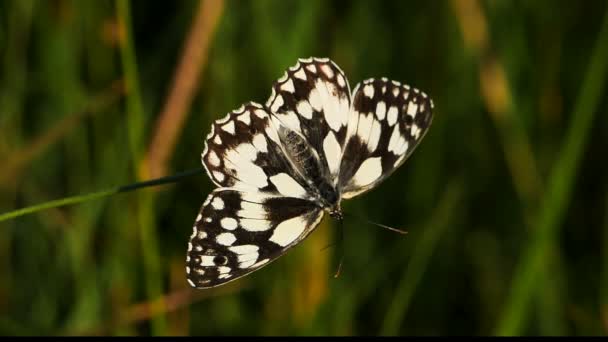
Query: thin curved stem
point(96, 195)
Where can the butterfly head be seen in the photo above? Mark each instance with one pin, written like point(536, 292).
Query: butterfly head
point(330, 199)
point(336, 212)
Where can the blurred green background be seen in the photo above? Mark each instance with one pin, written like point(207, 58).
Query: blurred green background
point(505, 200)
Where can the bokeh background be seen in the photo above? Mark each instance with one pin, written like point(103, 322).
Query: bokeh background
point(505, 200)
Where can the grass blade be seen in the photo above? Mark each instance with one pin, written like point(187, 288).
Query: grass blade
point(96, 195)
point(558, 192)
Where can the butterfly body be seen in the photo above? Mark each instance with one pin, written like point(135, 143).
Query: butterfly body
point(280, 166)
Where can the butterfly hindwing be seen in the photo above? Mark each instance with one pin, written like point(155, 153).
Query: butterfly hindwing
point(238, 232)
point(387, 121)
point(313, 98)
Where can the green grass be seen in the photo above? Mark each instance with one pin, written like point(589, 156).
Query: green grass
point(504, 201)
point(559, 189)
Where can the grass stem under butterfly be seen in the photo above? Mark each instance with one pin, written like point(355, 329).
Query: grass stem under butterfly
point(96, 195)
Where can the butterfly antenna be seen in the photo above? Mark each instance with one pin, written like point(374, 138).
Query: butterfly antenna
point(377, 224)
point(341, 242)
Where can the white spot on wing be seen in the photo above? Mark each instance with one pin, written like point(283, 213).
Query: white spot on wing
point(368, 90)
point(244, 249)
point(226, 239)
point(288, 86)
point(327, 71)
point(300, 74)
point(332, 152)
point(315, 99)
point(245, 118)
point(341, 81)
point(242, 158)
point(396, 140)
point(374, 136)
point(277, 103)
point(229, 127)
point(248, 263)
point(287, 186)
point(255, 225)
point(392, 115)
point(365, 125)
point(353, 120)
point(304, 109)
point(288, 231)
point(369, 171)
point(412, 109)
point(415, 131)
point(260, 113)
point(259, 142)
point(252, 211)
point(290, 119)
point(381, 110)
point(333, 110)
point(311, 68)
point(219, 176)
point(229, 223)
point(207, 260)
point(260, 263)
point(213, 159)
point(224, 269)
point(403, 147)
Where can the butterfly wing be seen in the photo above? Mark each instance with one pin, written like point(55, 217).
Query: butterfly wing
point(386, 123)
point(238, 232)
point(313, 99)
point(243, 151)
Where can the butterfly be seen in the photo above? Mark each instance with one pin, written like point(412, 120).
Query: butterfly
point(279, 167)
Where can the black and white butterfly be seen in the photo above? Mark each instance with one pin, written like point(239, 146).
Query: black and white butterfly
point(280, 166)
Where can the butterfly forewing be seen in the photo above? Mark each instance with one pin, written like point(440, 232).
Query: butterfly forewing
point(238, 232)
point(313, 98)
point(243, 151)
point(387, 121)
